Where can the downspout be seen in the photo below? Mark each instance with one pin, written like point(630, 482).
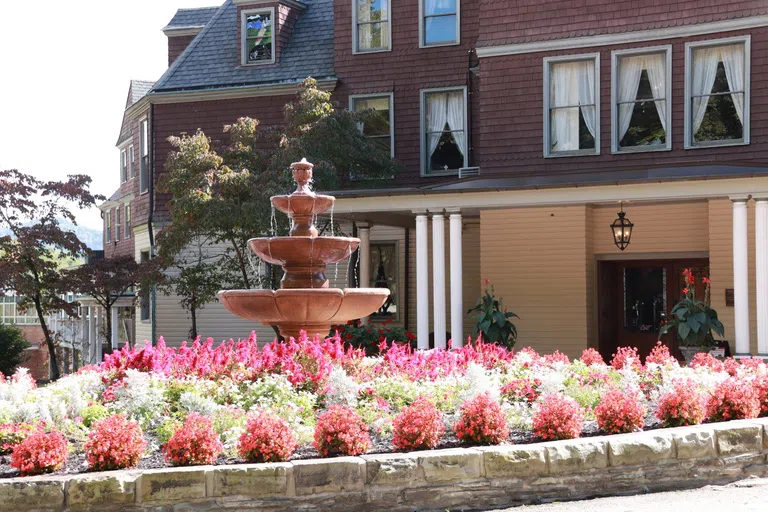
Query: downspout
point(470, 94)
point(151, 194)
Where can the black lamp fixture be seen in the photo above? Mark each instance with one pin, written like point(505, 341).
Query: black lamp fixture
point(622, 230)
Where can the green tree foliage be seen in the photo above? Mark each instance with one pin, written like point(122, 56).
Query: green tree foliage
point(31, 210)
point(12, 346)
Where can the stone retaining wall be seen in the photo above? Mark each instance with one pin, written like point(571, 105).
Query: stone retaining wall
point(457, 479)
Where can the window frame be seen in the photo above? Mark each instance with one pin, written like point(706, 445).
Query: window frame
point(387, 241)
point(144, 148)
point(108, 225)
point(123, 165)
point(355, 41)
point(746, 40)
point(423, 28)
point(118, 224)
point(244, 36)
point(547, 120)
point(423, 128)
point(131, 163)
point(616, 56)
point(127, 220)
point(391, 98)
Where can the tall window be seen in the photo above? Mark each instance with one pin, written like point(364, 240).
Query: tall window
point(372, 29)
point(440, 22)
point(108, 225)
point(118, 224)
point(717, 92)
point(641, 91)
point(144, 155)
point(444, 128)
point(123, 166)
point(384, 271)
point(378, 126)
point(571, 99)
point(131, 162)
point(258, 36)
point(127, 221)
point(144, 298)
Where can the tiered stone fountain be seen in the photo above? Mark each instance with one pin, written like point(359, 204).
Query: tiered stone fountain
point(304, 302)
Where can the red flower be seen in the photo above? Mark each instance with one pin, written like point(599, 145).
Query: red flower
point(706, 281)
point(685, 291)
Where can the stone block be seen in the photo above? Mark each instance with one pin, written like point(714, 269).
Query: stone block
point(738, 437)
point(392, 469)
point(514, 461)
point(694, 442)
point(172, 484)
point(576, 455)
point(329, 475)
point(640, 448)
point(253, 480)
point(451, 465)
point(102, 490)
point(31, 494)
point(764, 423)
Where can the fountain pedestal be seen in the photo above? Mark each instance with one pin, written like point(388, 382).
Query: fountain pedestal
point(305, 301)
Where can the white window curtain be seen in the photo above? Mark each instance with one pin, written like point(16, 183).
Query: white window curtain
point(446, 108)
point(630, 71)
point(572, 85)
point(733, 61)
point(656, 67)
point(455, 116)
point(704, 70)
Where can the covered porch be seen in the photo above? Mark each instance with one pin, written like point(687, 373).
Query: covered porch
point(550, 254)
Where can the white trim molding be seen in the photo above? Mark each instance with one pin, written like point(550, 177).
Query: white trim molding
point(422, 31)
point(616, 55)
point(689, 48)
point(638, 36)
point(355, 42)
point(296, 4)
point(546, 135)
point(423, 127)
point(191, 30)
point(244, 35)
point(391, 99)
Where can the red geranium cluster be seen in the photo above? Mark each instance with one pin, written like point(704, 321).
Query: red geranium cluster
point(558, 417)
point(556, 357)
point(12, 434)
point(340, 430)
point(706, 360)
point(683, 406)
point(194, 443)
point(114, 443)
point(625, 356)
point(482, 421)
point(619, 412)
point(761, 387)
point(733, 399)
point(660, 355)
point(591, 356)
point(267, 438)
point(40, 452)
point(418, 426)
point(522, 390)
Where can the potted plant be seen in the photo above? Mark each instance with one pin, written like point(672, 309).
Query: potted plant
point(493, 319)
point(694, 320)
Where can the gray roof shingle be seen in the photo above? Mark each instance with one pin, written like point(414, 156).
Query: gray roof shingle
point(187, 18)
point(139, 89)
point(212, 59)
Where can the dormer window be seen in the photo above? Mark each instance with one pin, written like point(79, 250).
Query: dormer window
point(258, 36)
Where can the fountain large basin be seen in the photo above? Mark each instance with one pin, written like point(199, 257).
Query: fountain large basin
point(311, 310)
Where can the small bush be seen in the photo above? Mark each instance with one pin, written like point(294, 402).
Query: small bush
point(40, 452)
point(93, 413)
point(761, 387)
point(660, 355)
point(194, 443)
point(12, 346)
point(557, 417)
point(340, 431)
point(522, 390)
point(418, 426)
point(114, 443)
point(12, 434)
point(683, 406)
point(706, 360)
point(165, 430)
point(626, 356)
point(591, 356)
point(373, 336)
point(267, 438)
point(733, 399)
point(482, 421)
point(619, 412)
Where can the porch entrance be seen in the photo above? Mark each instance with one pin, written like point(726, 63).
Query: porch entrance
point(634, 299)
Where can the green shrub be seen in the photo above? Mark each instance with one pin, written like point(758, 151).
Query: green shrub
point(166, 429)
point(93, 413)
point(12, 346)
point(369, 336)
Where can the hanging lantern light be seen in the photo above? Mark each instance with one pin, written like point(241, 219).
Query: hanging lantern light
point(622, 230)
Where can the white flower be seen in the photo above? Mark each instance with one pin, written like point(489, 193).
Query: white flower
point(193, 402)
point(342, 389)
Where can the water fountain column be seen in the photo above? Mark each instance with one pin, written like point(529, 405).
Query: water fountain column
point(438, 277)
point(364, 233)
point(422, 281)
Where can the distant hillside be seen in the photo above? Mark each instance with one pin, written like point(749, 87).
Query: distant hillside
point(90, 237)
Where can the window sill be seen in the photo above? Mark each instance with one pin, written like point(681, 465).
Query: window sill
point(256, 64)
point(439, 45)
point(144, 192)
point(437, 174)
point(640, 149)
point(566, 154)
point(366, 52)
point(710, 145)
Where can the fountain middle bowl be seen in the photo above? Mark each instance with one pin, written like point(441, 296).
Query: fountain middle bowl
point(302, 250)
point(303, 204)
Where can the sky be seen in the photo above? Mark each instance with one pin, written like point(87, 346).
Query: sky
point(65, 69)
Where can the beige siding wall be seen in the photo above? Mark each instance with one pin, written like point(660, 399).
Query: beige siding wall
point(537, 260)
point(141, 243)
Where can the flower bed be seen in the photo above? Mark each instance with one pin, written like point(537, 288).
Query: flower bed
point(322, 398)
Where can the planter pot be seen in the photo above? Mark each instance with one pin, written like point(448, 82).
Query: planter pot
point(691, 350)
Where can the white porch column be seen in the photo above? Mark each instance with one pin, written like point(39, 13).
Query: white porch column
point(364, 233)
point(84, 332)
point(457, 282)
point(740, 276)
point(422, 282)
point(761, 268)
point(115, 327)
point(438, 277)
point(99, 331)
point(92, 338)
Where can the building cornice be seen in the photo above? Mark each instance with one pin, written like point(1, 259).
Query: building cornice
point(192, 30)
point(638, 36)
point(108, 205)
point(296, 4)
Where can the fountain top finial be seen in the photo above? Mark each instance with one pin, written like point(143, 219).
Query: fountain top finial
point(302, 175)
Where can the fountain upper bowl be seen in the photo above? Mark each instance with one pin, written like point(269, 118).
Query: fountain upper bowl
point(303, 204)
point(303, 250)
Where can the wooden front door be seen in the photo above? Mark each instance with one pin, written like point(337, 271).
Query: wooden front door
point(634, 299)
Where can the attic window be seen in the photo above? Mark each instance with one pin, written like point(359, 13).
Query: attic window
point(258, 36)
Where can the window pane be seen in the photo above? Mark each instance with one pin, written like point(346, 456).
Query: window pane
point(569, 130)
point(447, 154)
point(440, 29)
point(372, 10)
point(645, 126)
point(717, 89)
point(259, 37)
point(645, 299)
point(371, 36)
point(378, 124)
point(384, 275)
point(446, 140)
point(432, 7)
point(721, 121)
